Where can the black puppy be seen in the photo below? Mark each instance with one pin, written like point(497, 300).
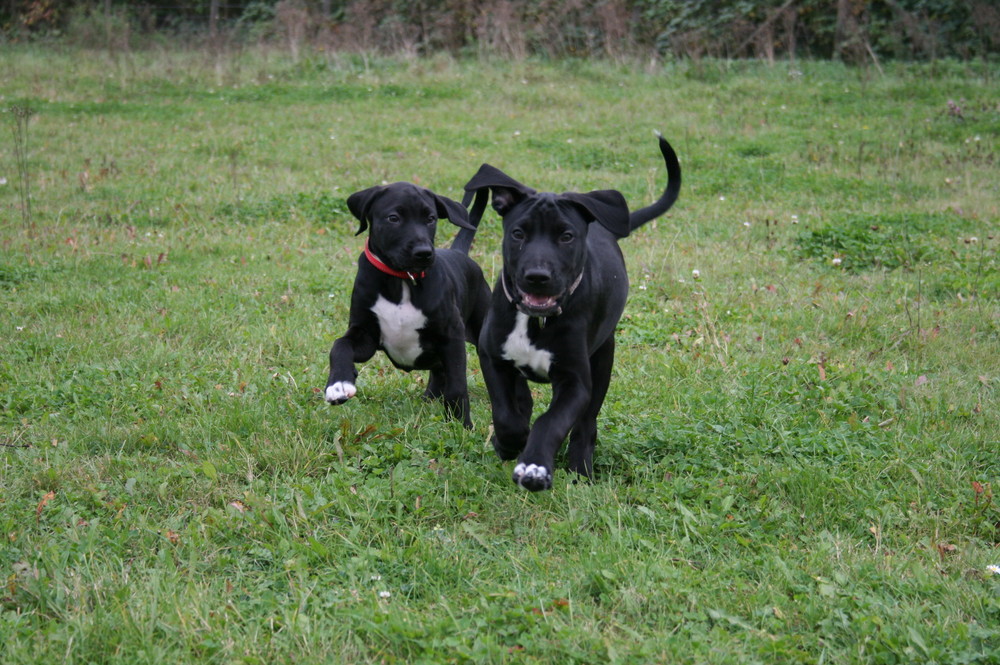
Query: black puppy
point(552, 319)
point(418, 305)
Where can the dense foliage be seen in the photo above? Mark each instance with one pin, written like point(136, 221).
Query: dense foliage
point(857, 31)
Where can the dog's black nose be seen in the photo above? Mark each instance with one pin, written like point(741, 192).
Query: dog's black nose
point(423, 254)
point(537, 277)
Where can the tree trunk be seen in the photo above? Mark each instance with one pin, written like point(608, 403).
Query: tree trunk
point(790, 17)
point(109, 30)
point(841, 30)
point(213, 20)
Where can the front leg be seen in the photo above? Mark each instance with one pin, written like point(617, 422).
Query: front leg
point(356, 346)
point(510, 401)
point(570, 396)
point(583, 438)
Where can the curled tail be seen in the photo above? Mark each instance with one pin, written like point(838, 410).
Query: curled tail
point(639, 217)
point(463, 241)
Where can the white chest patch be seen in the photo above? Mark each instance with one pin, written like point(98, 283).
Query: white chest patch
point(400, 325)
point(519, 350)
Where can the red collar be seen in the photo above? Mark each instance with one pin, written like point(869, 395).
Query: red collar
point(380, 264)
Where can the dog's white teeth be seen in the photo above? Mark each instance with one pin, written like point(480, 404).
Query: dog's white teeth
point(340, 391)
point(538, 301)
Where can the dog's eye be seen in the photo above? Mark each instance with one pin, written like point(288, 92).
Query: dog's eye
point(431, 220)
point(392, 218)
point(517, 234)
point(566, 238)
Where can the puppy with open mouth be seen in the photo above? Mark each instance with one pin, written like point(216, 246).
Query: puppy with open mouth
point(552, 317)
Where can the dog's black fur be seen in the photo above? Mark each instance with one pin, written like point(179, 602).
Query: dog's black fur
point(422, 315)
point(553, 314)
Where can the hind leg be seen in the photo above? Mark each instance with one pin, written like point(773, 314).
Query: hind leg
point(435, 385)
point(456, 401)
point(450, 383)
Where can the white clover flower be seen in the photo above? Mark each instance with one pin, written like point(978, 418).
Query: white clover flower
point(3, 181)
point(836, 260)
point(795, 219)
point(722, 198)
point(746, 224)
point(384, 594)
point(696, 274)
point(375, 578)
point(517, 132)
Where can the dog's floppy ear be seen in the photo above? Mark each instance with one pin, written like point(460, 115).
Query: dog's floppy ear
point(360, 205)
point(607, 207)
point(506, 191)
point(453, 211)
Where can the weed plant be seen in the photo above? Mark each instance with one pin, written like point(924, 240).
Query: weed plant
point(797, 455)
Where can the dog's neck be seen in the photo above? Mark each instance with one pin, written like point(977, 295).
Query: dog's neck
point(381, 265)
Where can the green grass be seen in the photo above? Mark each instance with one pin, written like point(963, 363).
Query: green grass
point(797, 458)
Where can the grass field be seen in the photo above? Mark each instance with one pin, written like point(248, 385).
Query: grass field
point(796, 456)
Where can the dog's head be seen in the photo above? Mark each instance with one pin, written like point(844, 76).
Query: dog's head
point(403, 219)
point(544, 235)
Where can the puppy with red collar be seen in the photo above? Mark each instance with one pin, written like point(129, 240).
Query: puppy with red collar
point(418, 304)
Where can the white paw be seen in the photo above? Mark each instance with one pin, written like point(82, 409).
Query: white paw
point(532, 476)
point(340, 392)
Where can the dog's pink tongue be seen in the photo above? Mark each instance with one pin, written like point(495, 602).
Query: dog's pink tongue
point(538, 301)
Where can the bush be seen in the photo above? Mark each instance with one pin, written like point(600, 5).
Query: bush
point(851, 30)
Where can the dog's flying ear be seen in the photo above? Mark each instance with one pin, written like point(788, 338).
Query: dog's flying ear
point(607, 207)
point(360, 205)
point(506, 191)
point(453, 211)
point(505, 198)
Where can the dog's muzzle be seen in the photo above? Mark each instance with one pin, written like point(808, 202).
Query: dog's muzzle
point(536, 305)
